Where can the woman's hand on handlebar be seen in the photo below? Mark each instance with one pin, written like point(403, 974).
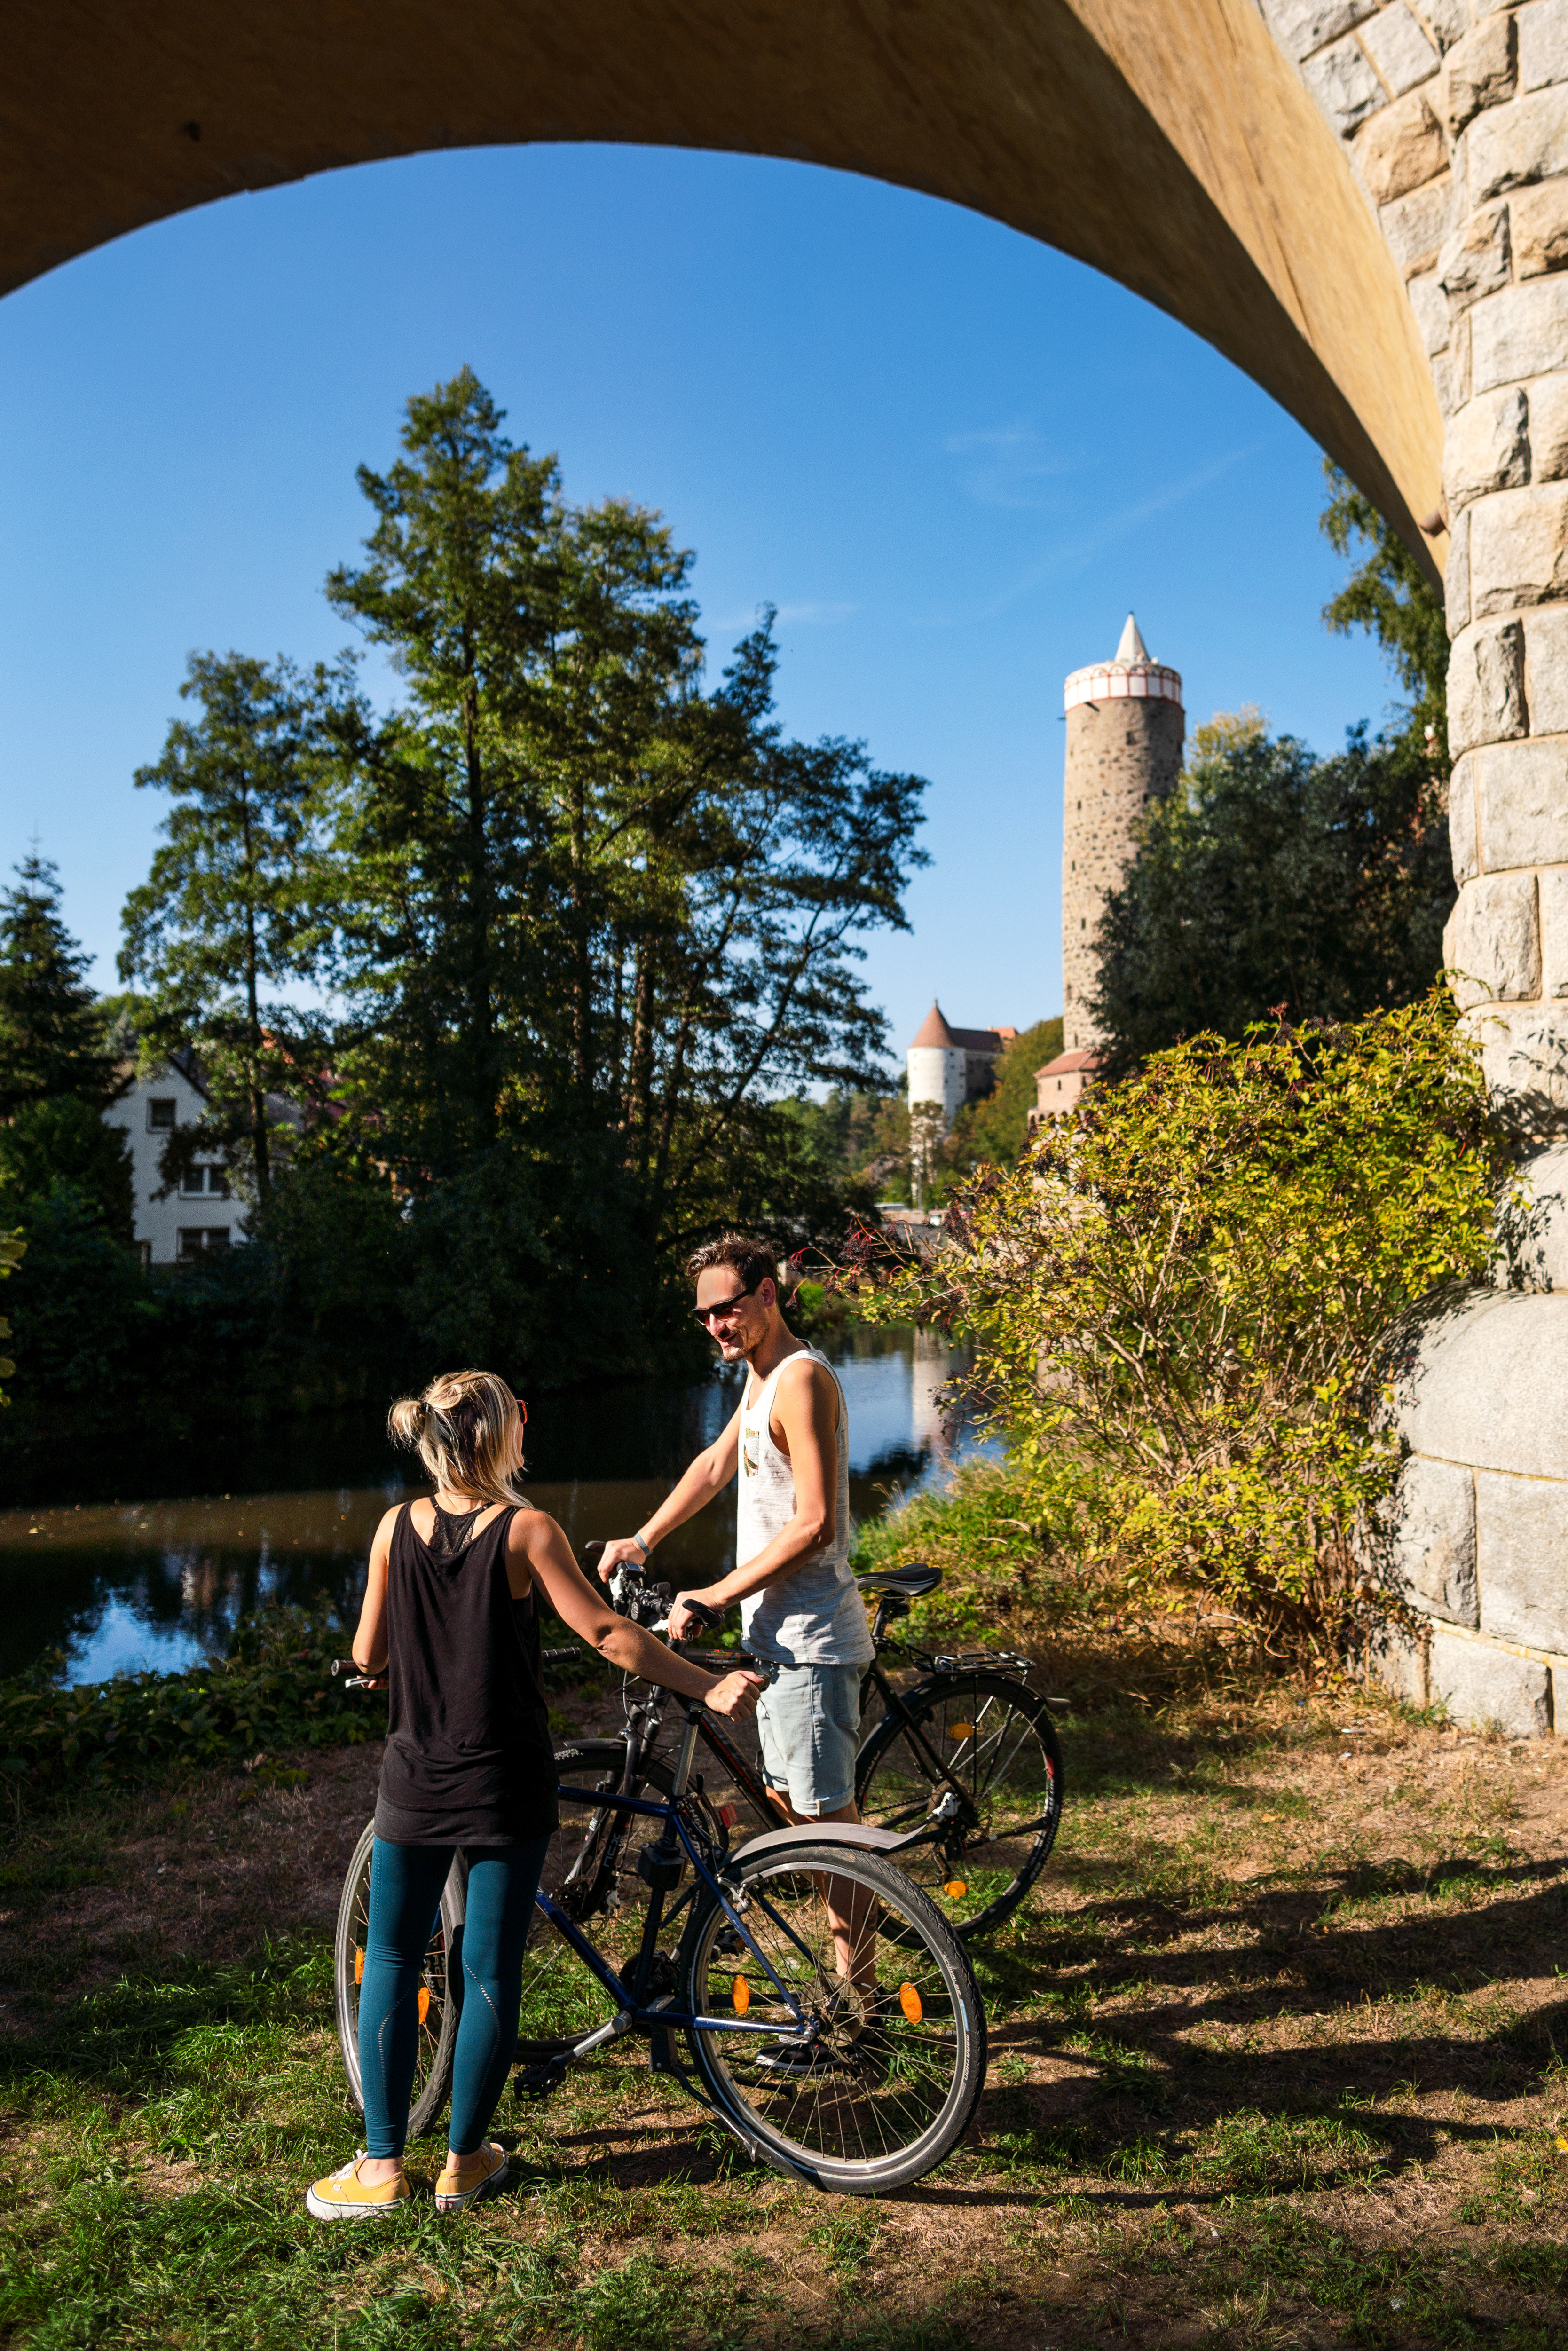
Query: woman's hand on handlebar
point(693, 1611)
point(736, 1695)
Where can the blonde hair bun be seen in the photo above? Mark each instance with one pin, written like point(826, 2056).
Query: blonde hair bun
point(462, 1429)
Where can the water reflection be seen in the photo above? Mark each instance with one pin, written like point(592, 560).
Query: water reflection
point(120, 1586)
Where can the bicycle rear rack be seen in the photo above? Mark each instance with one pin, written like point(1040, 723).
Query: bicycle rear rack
point(970, 1661)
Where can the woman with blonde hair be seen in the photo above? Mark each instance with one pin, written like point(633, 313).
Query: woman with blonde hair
point(451, 1616)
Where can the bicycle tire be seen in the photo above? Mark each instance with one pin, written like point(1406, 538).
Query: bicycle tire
point(438, 2021)
point(902, 2053)
point(1013, 1769)
point(608, 1851)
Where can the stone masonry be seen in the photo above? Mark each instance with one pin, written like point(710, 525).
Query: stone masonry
point(1454, 116)
point(1124, 732)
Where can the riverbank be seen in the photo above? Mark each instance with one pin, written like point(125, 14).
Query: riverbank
point(1274, 2062)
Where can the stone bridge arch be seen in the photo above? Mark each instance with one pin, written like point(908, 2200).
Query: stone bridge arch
point(1364, 204)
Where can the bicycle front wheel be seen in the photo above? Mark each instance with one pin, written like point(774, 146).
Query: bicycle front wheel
point(990, 1823)
point(881, 2077)
point(438, 1997)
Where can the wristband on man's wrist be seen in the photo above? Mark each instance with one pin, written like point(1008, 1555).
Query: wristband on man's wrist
point(644, 1546)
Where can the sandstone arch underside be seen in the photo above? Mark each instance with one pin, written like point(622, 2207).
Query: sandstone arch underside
point(1170, 144)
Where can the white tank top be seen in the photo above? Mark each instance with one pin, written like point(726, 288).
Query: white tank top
point(815, 1615)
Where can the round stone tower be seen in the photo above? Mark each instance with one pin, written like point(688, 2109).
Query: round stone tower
point(1124, 731)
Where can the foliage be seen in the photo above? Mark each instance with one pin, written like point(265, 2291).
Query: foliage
point(858, 1141)
point(582, 905)
point(1390, 596)
point(274, 1688)
point(63, 1141)
point(51, 1031)
point(996, 1127)
point(13, 1248)
point(1274, 879)
point(234, 905)
point(1175, 1302)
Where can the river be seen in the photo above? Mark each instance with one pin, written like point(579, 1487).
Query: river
point(160, 1583)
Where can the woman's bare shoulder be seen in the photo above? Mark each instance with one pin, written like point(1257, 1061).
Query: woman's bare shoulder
point(529, 1527)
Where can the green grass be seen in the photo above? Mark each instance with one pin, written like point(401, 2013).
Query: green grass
point(1276, 2059)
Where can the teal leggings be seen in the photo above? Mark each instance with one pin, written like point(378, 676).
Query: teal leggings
point(406, 1901)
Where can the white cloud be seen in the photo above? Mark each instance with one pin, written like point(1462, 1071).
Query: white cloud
point(1008, 465)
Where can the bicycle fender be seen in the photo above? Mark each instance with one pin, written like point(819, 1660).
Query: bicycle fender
point(853, 1832)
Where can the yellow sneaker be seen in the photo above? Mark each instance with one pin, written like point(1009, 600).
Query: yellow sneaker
point(473, 2176)
point(344, 2196)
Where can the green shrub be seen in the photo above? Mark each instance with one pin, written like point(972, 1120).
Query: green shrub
point(274, 1689)
point(1175, 1304)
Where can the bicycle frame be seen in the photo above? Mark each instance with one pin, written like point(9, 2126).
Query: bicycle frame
point(634, 2012)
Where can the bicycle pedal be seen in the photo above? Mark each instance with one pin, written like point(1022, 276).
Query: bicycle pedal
point(538, 2081)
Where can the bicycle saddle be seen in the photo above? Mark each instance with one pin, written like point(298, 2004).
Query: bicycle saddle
point(911, 1583)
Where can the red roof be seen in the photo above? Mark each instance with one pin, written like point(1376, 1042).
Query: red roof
point(932, 1031)
point(1066, 1063)
point(936, 1030)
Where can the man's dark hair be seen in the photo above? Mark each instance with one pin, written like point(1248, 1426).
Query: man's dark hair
point(754, 1261)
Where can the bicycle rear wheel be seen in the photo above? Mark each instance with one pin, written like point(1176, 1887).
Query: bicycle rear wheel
point(438, 1997)
point(885, 2078)
point(998, 1741)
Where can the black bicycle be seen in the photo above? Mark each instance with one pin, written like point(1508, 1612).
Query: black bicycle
point(964, 1767)
point(815, 2001)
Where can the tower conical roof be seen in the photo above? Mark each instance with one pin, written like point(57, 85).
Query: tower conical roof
point(934, 1030)
point(1132, 647)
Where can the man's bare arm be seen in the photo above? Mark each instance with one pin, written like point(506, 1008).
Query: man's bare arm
point(708, 1475)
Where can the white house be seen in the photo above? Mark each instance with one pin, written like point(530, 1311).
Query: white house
point(201, 1214)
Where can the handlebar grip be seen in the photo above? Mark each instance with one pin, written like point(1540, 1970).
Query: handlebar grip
point(710, 1619)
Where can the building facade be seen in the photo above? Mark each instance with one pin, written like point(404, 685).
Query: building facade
point(203, 1213)
point(1125, 726)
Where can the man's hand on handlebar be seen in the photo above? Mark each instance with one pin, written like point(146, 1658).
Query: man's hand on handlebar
point(621, 1550)
point(736, 1695)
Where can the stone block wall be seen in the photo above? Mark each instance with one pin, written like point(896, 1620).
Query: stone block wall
point(1478, 1533)
point(1453, 115)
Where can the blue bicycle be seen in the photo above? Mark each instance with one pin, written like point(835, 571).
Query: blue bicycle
point(816, 2001)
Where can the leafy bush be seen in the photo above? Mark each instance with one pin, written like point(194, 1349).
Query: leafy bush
point(1175, 1305)
point(273, 1689)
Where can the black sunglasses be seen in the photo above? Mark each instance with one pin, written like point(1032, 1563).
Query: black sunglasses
point(705, 1314)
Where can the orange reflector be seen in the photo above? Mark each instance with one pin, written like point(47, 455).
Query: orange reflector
point(423, 2002)
point(909, 2001)
point(740, 1994)
point(359, 1965)
point(729, 1815)
point(955, 1889)
point(960, 1730)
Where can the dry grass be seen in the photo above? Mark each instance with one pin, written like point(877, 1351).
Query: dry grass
point(1274, 2062)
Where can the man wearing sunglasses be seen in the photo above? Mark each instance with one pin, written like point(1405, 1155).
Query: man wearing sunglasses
point(799, 1604)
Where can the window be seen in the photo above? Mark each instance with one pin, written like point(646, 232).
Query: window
point(195, 1181)
point(196, 1241)
point(160, 1114)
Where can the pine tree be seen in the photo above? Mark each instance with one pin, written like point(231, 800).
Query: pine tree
point(51, 1032)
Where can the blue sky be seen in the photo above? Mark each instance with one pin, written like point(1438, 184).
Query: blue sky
point(952, 457)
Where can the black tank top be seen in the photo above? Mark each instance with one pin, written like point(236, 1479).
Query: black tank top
point(469, 1757)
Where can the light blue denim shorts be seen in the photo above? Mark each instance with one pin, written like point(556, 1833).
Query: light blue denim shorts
point(808, 1725)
